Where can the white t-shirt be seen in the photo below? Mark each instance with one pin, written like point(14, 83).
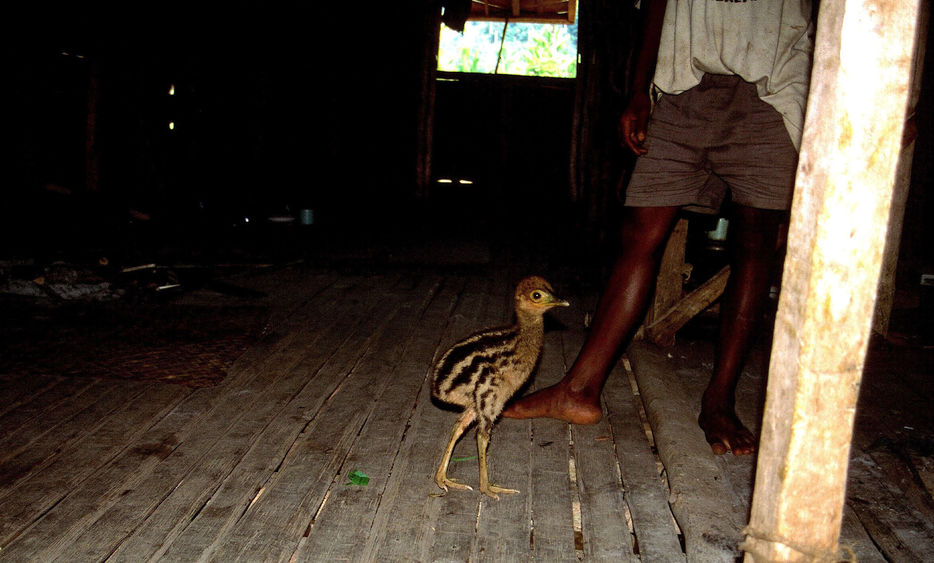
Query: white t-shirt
point(766, 42)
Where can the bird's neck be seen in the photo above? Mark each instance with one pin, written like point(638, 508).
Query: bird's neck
point(531, 328)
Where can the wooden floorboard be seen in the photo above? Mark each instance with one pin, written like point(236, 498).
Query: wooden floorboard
point(288, 502)
point(257, 467)
point(284, 361)
point(605, 527)
point(654, 530)
point(347, 517)
point(224, 436)
point(19, 389)
point(458, 512)
point(503, 528)
point(551, 491)
point(44, 413)
point(66, 441)
point(700, 500)
point(331, 347)
point(62, 518)
point(402, 526)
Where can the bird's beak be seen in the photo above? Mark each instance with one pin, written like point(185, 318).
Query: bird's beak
point(555, 302)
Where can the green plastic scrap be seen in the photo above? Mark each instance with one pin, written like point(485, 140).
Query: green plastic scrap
point(358, 477)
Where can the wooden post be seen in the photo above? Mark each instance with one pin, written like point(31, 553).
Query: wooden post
point(886, 295)
point(849, 153)
point(426, 109)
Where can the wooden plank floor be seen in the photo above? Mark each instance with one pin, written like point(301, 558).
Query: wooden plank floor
point(257, 467)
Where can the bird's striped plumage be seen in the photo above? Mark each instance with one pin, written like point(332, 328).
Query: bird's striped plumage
point(483, 371)
point(486, 369)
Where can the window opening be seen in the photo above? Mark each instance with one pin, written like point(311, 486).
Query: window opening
point(508, 47)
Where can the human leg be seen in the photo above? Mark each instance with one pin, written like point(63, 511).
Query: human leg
point(753, 250)
point(753, 154)
point(576, 398)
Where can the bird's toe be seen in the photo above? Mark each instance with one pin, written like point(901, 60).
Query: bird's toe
point(494, 491)
point(454, 484)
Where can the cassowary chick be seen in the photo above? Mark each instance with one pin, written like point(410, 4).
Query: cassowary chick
point(482, 372)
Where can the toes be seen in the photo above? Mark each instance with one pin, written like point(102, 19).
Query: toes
point(503, 491)
point(744, 443)
point(454, 484)
point(494, 491)
point(719, 448)
point(457, 485)
point(725, 433)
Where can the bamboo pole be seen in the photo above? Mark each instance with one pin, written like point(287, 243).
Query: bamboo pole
point(846, 171)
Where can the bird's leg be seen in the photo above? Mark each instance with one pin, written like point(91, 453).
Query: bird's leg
point(441, 476)
point(483, 442)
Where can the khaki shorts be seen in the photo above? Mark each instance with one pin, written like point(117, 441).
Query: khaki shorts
point(716, 137)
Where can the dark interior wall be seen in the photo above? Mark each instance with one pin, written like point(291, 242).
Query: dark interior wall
point(510, 136)
point(298, 104)
point(275, 105)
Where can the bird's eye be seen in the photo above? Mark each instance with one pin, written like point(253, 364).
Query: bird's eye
point(536, 296)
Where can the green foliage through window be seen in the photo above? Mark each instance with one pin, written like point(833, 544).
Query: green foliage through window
point(530, 49)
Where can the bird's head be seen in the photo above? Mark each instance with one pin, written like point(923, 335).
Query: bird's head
point(535, 295)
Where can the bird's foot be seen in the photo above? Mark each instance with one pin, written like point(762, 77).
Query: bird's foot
point(445, 482)
point(494, 491)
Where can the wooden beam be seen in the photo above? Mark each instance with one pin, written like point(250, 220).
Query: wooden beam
point(425, 120)
point(669, 285)
point(886, 295)
point(662, 330)
point(846, 171)
point(670, 309)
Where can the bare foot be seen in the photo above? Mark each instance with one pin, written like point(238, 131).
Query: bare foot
point(556, 402)
point(726, 433)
